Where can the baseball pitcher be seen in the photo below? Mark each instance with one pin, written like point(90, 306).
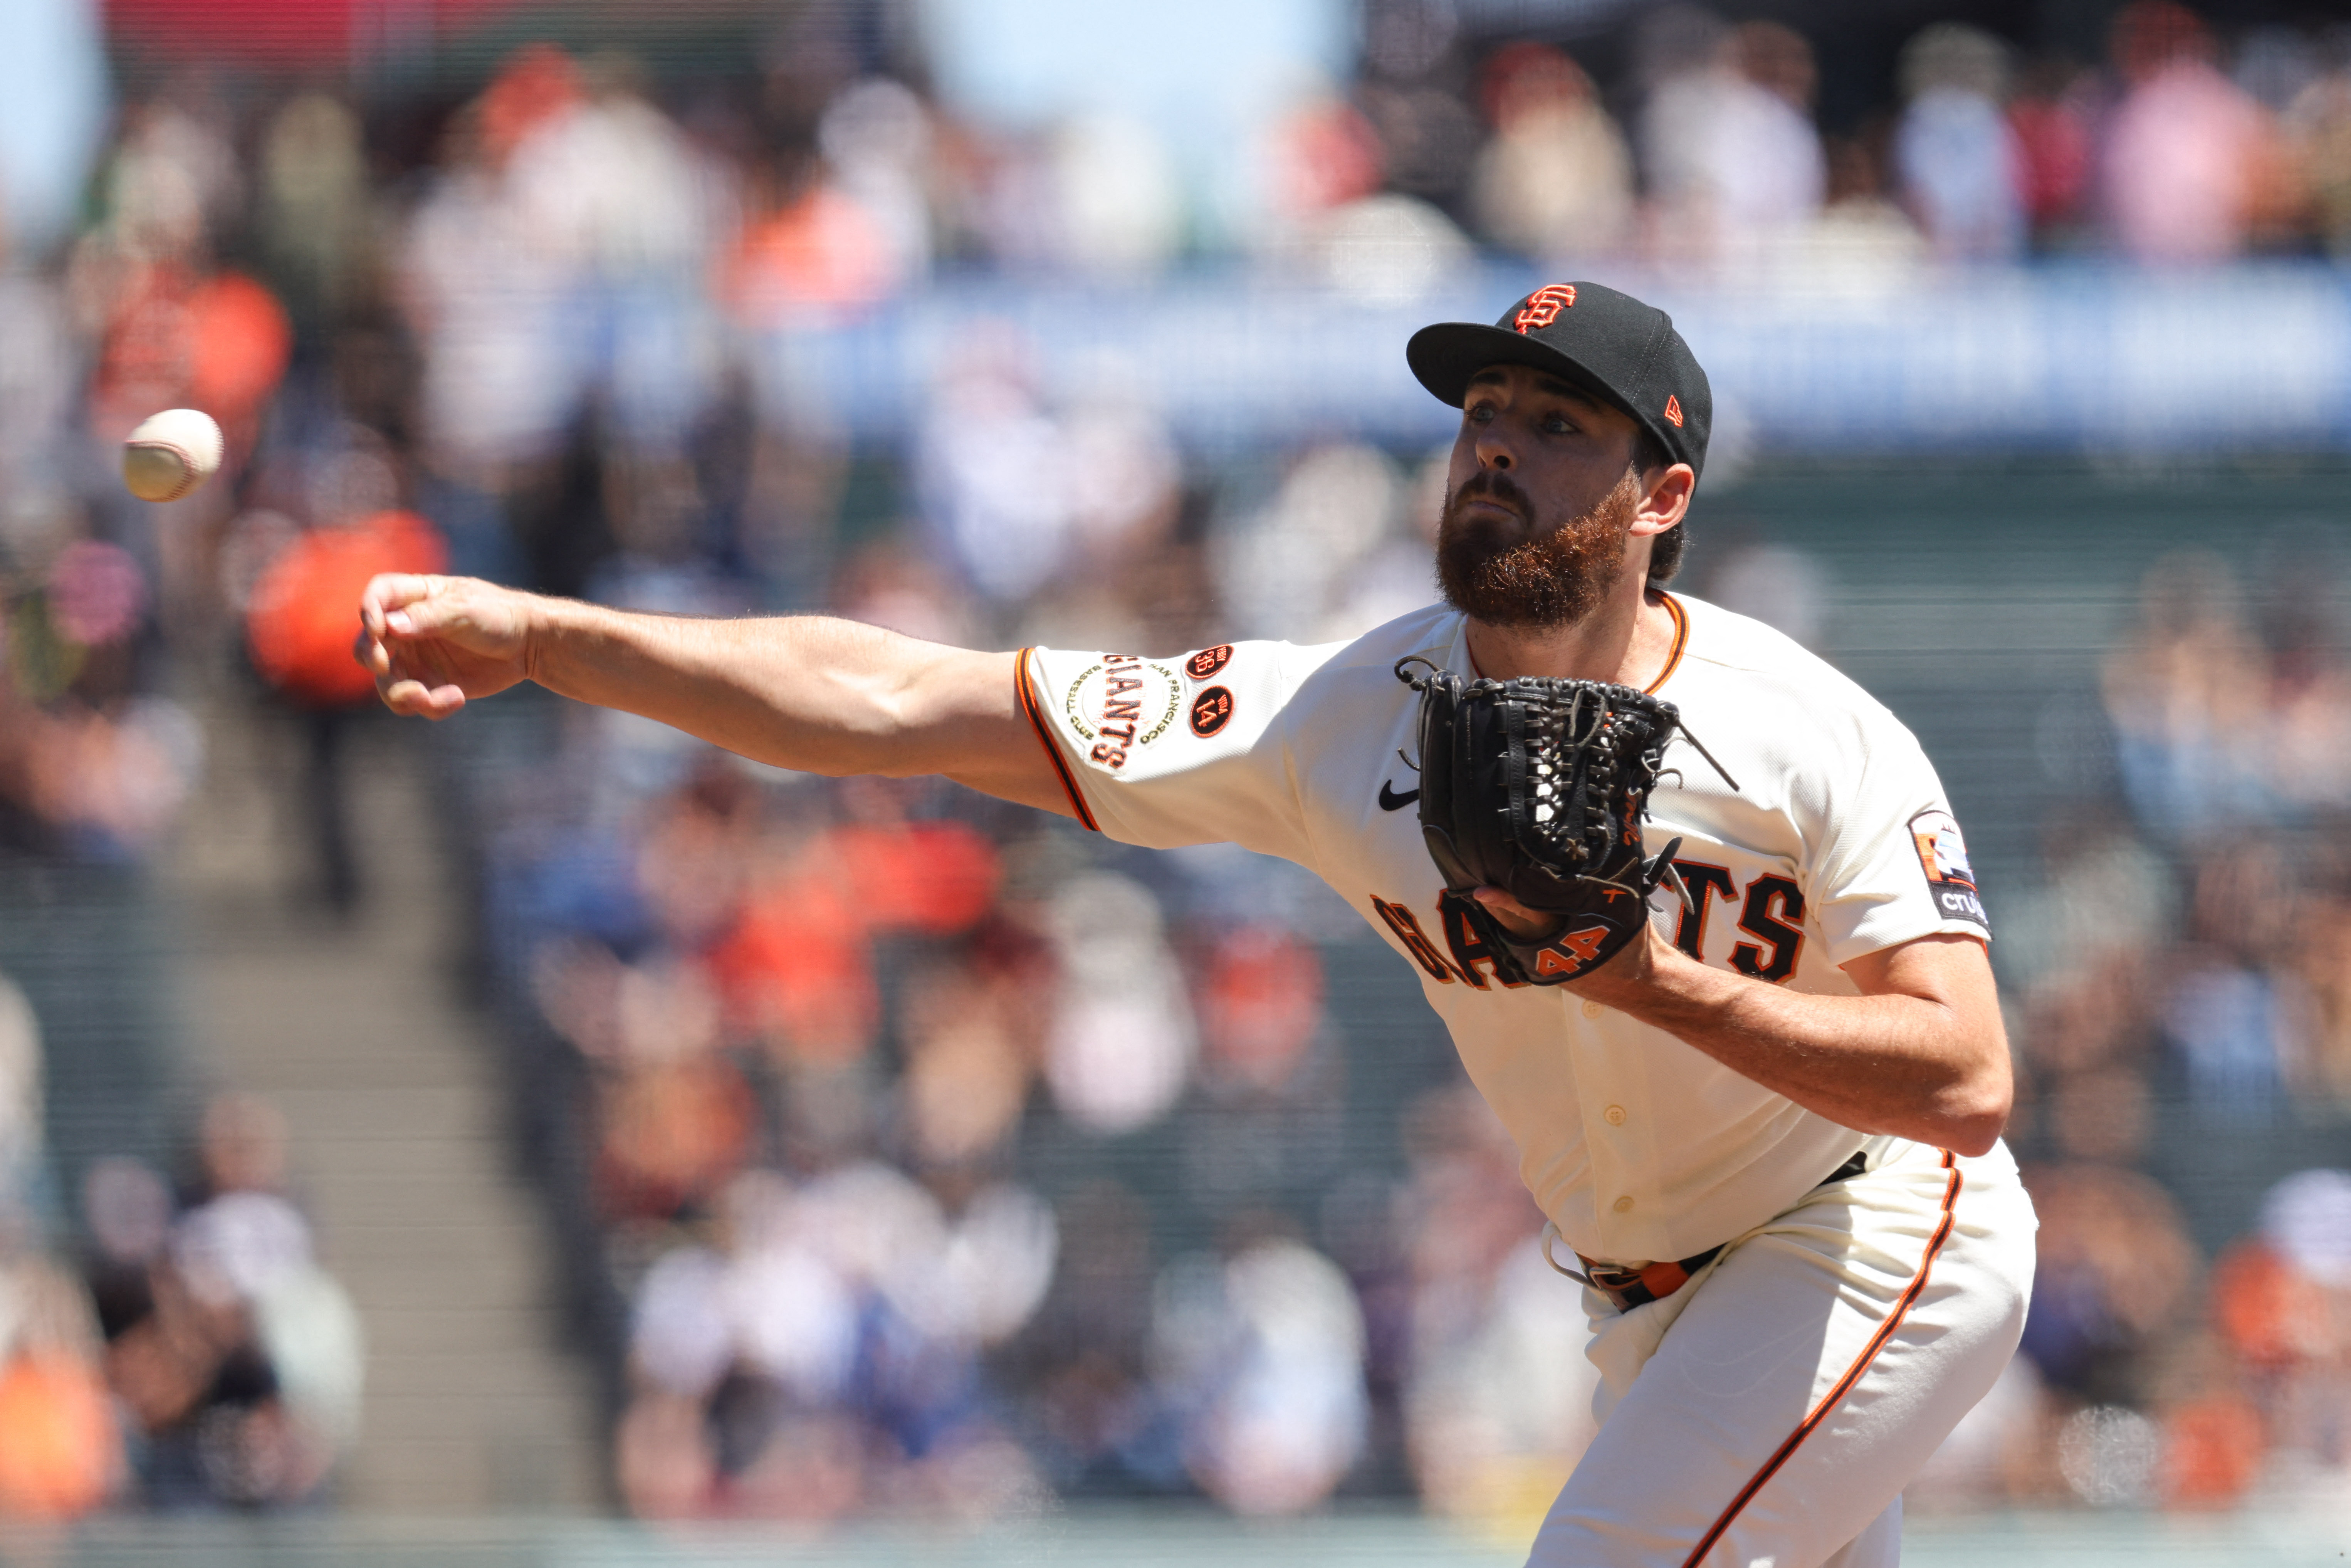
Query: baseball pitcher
point(1693, 905)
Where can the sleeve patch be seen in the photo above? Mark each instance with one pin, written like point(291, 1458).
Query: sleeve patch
point(1211, 711)
point(1208, 661)
point(1943, 856)
point(1120, 703)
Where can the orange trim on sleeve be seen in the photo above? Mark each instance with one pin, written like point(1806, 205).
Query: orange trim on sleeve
point(1681, 641)
point(1045, 738)
point(1830, 1400)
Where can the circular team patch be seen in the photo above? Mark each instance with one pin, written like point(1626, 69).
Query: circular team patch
point(1123, 703)
point(1211, 711)
point(1208, 661)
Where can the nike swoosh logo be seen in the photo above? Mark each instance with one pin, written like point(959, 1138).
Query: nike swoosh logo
point(1392, 801)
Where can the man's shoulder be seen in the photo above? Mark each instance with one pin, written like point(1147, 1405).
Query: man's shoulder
point(1751, 659)
point(1366, 666)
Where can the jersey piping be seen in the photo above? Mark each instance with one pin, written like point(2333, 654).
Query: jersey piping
point(1026, 693)
point(1681, 641)
point(1836, 1395)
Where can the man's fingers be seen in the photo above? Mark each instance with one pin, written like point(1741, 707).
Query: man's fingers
point(1515, 917)
point(389, 592)
point(415, 699)
point(436, 612)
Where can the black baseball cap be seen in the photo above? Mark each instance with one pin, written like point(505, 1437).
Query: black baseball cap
point(1608, 342)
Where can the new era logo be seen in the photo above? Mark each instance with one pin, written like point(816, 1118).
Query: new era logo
point(1543, 305)
point(1674, 410)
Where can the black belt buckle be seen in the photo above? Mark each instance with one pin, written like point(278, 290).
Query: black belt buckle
point(1630, 1288)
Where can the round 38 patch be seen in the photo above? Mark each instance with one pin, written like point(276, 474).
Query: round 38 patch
point(1211, 711)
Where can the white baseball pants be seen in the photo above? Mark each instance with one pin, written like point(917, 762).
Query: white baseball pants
point(1768, 1413)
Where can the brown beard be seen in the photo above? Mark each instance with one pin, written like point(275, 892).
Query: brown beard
point(1553, 579)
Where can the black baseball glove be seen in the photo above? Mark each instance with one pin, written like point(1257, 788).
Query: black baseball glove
point(1539, 787)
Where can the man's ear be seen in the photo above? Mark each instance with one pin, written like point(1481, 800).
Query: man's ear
point(1664, 498)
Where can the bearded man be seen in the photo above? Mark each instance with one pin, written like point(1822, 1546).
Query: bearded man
point(1769, 1128)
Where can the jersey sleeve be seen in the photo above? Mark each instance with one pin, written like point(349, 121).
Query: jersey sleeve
point(1166, 752)
point(1893, 865)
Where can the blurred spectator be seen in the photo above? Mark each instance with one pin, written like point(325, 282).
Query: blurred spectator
point(1498, 1406)
point(2115, 1268)
point(1959, 157)
point(2176, 689)
point(237, 1359)
point(1283, 569)
point(2053, 116)
point(1383, 248)
point(1261, 1353)
point(1269, 1126)
point(2317, 125)
point(1123, 1037)
point(989, 461)
point(2191, 161)
point(877, 138)
point(92, 766)
point(1117, 205)
point(2224, 1012)
point(1323, 155)
point(1324, 218)
point(1556, 179)
point(2104, 900)
point(60, 1452)
point(299, 631)
point(316, 210)
point(1733, 160)
point(60, 1445)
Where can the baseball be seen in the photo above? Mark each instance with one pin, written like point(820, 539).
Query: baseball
point(171, 455)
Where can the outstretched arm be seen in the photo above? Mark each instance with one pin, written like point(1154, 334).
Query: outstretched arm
point(800, 691)
point(1920, 1053)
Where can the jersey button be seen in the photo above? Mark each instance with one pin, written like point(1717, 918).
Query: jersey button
point(1624, 1204)
point(1591, 1009)
point(1615, 1114)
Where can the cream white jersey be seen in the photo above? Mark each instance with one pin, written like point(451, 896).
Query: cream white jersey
point(1837, 842)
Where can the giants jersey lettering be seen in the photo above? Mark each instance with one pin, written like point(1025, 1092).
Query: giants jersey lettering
point(1838, 842)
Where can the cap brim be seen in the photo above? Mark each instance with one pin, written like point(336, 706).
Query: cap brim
point(1446, 355)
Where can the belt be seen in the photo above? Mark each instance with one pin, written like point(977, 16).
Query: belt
point(1628, 1287)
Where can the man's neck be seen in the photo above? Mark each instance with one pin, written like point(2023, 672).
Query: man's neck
point(1627, 640)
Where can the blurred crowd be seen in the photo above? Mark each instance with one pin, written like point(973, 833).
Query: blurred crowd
point(934, 1159)
point(2178, 985)
point(533, 313)
point(175, 1343)
point(912, 1154)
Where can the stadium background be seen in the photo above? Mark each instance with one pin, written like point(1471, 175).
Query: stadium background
point(455, 1141)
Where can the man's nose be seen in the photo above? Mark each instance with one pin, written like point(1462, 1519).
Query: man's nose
point(1493, 451)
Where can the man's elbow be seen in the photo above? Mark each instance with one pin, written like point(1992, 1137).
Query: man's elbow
point(1973, 1114)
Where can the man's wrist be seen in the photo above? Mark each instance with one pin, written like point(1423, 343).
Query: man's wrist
point(1650, 978)
point(551, 628)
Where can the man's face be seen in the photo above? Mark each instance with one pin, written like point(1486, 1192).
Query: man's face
point(1539, 497)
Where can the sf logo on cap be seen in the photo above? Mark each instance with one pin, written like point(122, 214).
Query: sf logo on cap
point(1543, 305)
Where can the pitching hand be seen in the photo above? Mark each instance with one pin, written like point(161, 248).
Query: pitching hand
point(1625, 972)
point(1526, 924)
point(436, 643)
